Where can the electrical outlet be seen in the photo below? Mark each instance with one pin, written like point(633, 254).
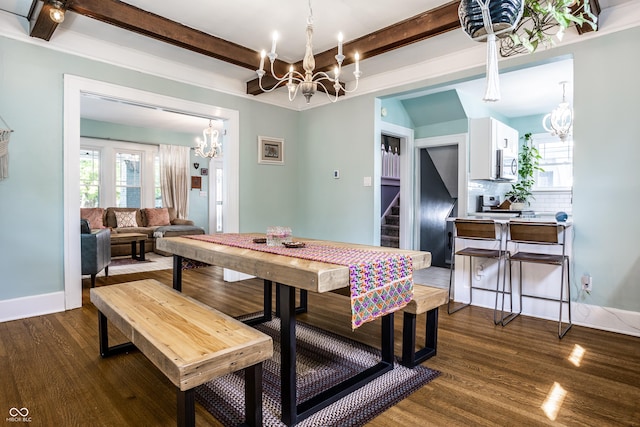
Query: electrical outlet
point(587, 283)
point(479, 272)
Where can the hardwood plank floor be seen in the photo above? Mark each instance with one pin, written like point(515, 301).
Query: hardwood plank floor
point(490, 375)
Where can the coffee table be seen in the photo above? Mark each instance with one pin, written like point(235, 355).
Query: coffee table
point(132, 238)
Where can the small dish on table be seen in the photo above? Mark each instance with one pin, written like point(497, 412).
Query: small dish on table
point(293, 244)
point(260, 240)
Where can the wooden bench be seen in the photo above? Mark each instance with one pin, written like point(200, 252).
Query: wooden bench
point(426, 299)
point(188, 341)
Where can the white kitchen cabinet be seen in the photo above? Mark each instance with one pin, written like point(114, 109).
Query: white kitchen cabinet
point(488, 135)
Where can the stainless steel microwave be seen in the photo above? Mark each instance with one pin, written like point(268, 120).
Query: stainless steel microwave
point(507, 167)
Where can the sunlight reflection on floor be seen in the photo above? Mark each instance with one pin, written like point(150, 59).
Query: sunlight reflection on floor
point(553, 402)
point(576, 355)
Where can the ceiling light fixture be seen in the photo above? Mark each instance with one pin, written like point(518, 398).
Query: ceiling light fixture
point(215, 148)
point(560, 119)
point(308, 83)
point(56, 11)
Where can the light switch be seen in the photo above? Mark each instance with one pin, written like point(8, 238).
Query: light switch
point(366, 181)
point(336, 174)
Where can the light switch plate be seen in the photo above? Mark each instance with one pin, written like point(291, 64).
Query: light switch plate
point(336, 174)
point(366, 181)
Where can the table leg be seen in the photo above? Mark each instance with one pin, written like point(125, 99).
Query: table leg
point(142, 250)
point(134, 249)
point(186, 408)
point(177, 273)
point(287, 298)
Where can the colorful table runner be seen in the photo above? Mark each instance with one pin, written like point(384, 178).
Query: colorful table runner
point(380, 282)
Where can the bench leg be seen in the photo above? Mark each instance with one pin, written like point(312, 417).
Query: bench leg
point(186, 408)
point(103, 336)
point(253, 395)
point(410, 357)
point(177, 273)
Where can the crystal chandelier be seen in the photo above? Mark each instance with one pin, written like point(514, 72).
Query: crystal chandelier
point(308, 83)
point(560, 119)
point(215, 148)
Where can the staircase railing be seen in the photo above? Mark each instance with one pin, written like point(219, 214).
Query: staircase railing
point(391, 205)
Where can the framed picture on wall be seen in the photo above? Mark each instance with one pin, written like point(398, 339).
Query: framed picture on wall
point(196, 183)
point(204, 171)
point(270, 150)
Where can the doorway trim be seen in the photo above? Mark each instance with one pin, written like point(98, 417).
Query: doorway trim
point(74, 87)
point(406, 181)
point(461, 140)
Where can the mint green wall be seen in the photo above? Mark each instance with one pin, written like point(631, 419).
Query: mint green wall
point(606, 173)
point(198, 206)
point(528, 124)
point(441, 129)
point(31, 210)
point(396, 113)
point(337, 136)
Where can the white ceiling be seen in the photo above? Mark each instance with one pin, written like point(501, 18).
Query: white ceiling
point(251, 22)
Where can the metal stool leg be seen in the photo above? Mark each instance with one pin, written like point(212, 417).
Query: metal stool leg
point(561, 333)
point(450, 301)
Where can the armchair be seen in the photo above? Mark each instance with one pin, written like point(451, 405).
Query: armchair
point(95, 250)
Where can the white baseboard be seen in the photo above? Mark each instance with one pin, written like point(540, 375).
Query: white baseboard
point(590, 316)
point(608, 319)
point(36, 305)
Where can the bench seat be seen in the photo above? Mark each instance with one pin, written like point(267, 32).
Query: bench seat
point(426, 299)
point(190, 342)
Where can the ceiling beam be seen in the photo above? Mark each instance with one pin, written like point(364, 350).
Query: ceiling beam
point(131, 18)
point(42, 26)
point(420, 27)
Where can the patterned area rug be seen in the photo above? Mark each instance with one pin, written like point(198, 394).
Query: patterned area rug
point(323, 359)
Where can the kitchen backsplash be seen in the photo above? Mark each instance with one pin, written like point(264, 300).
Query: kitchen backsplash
point(545, 201)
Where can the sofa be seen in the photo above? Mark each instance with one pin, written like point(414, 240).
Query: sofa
point(153, 222)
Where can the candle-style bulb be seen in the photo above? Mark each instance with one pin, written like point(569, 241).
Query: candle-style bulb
point(274, 40)
point(340, 39)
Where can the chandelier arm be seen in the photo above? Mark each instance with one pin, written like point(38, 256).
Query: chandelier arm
point(280, 80)
point(326, 92)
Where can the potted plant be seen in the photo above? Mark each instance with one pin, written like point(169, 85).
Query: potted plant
point(528, 162)
point(543, 19)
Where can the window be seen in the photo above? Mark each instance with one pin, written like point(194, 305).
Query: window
point(557, 162)
point(89, 178)
point(119, 173)
point(128, 187)
point(157, 194)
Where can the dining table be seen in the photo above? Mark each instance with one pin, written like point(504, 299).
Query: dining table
point(290, 270)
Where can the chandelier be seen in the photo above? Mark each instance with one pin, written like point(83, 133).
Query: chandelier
point(215, 148)
point(308, 83)
point(560, 119)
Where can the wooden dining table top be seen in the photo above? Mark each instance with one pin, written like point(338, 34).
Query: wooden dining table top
point(313, 276)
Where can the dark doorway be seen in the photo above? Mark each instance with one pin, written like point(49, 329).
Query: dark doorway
point(438, 201)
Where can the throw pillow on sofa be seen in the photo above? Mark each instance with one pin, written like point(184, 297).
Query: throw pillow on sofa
point(125, 219)
point(157, 217)
point(94, 216)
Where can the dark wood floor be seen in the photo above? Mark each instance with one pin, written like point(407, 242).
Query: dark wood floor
point(490, 375)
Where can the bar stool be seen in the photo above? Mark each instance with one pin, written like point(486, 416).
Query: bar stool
point(550, 234)
point(479, 230)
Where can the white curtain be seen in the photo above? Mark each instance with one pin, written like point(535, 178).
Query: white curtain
point(174, 178)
